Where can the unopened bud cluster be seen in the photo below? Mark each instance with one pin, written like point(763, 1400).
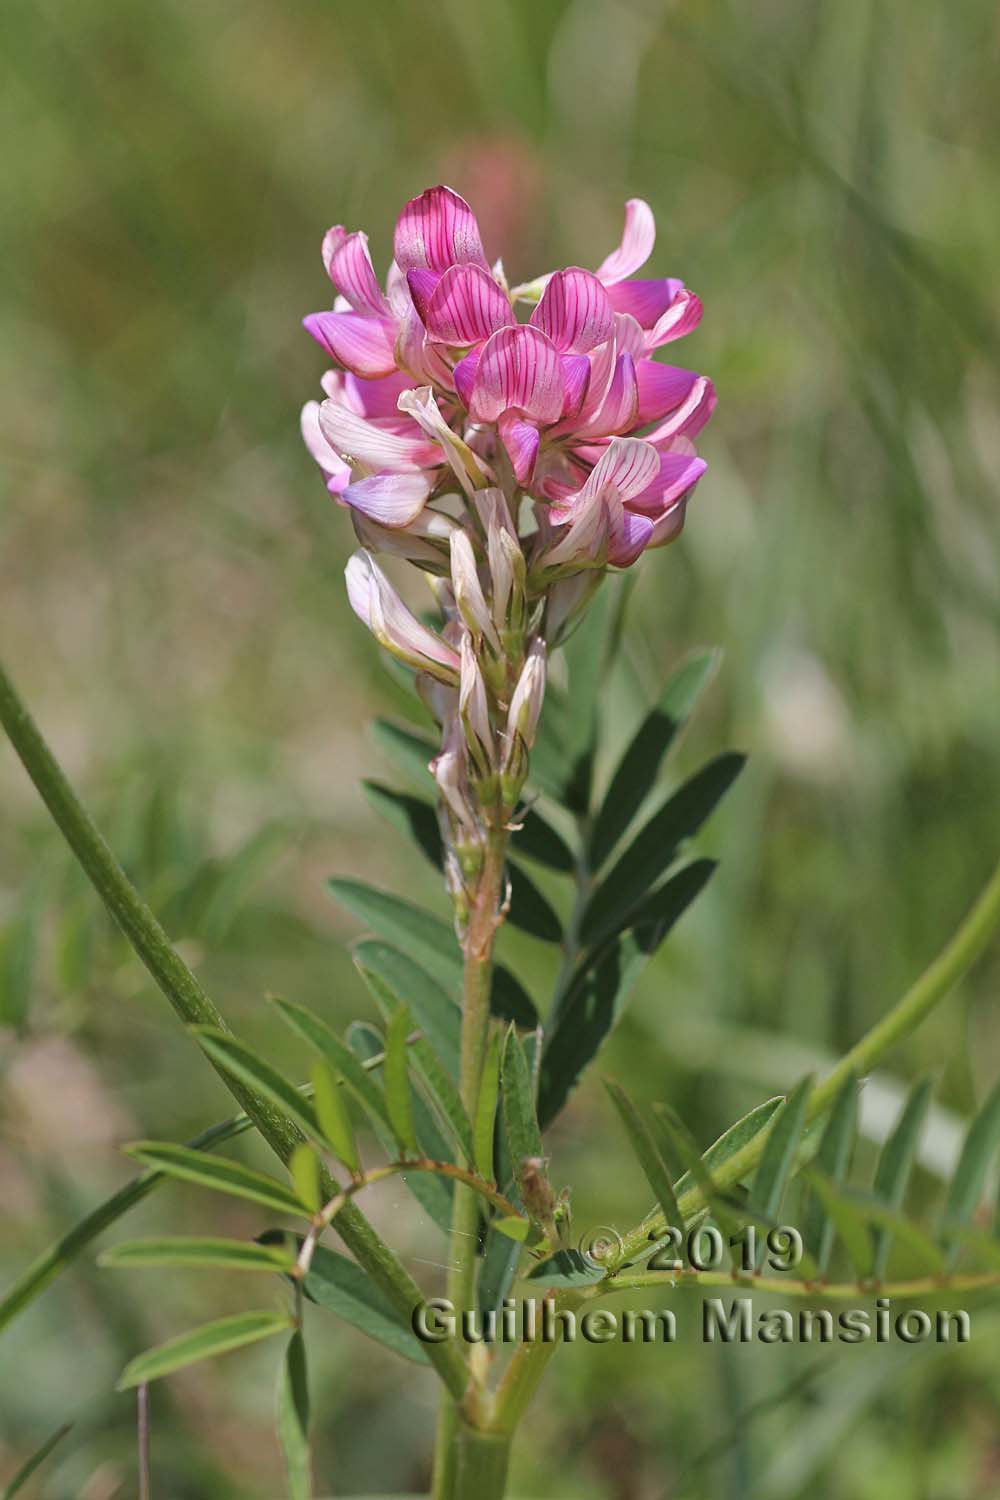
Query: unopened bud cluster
point(511, 462)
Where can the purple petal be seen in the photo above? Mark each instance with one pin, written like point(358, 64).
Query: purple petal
point(422, 285)
point(369, 443)
point(690, 417)
point(438, 230)
point(349, 266)
point(681, 317)
point(629, 536)
point(574, 311)
point(464, 375)
point(627, 467)
point(465, 307)
point(645, 300)
point(576, 374)
point(678, 472)
point(415, 354)
point(661, 389)
point(519, 369)
point(329, 460)
point(638, 239)
point(362, 345)
point(617, 413)
point(391, 499)
point(520, 439)
point(376, 398)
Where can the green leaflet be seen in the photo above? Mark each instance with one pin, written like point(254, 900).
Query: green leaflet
point(405, 982)
point(647, 1153)
point(203, 1343)
point(336, 1053)
point(847, 1216)
point(218, 1173)
point(428, 940)
point(444, 1096)
point(640, 764)
point(333, 1115)
point(486, 1109)
point(396, 1080)
point(244, 1064)
point(733, 1140)
point(293, 1419)
point(304, 1170)
point(779, 1154)
point(411, 751)
point(655, 847)
point(567, 1268)
point(412, 816)
point(178, 1250)
point(970, 1175)
point(341, 1286)
point(36, 1460)
point(523, 1135)
point(833, 1158)
point(536, 839)
point(895, 1164)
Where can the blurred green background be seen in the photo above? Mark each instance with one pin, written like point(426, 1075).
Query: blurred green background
point(825, 177)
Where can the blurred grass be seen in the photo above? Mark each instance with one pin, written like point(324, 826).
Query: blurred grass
point(172, 602)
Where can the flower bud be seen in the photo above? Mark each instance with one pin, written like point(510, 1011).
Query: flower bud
point(377, 605)
point(469, 596)
point(450, 769)
point(474, 708)
point(423, 542)
point(526, 699)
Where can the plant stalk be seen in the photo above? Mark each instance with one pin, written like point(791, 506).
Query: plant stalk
point(193, 1006)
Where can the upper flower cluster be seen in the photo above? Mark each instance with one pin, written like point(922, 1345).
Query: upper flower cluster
point(438, 383)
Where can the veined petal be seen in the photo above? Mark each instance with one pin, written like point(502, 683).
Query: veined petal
point(519, 368)
point(677, 472)
point(628, 466)
point(638, 239)
point(681, 317)
point(574, 311)
point(465, 307)
point(415, 354)
point(464, 375)
point(629, 536)
point(377, 605)
point(438, 230)
point(362, 345)
point(576, 374)
point(367, 443)
point(520, 439)
point(645, 300)
point(423, 409)
point(327, 457)
point(661, 389)
point(690, 417)
point(584, 541)
point(617, 412)
point(629, 337)
point(421, 285)
point(392, 500)
point(349, 266)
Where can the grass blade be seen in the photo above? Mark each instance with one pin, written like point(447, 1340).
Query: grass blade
point(36, 1460)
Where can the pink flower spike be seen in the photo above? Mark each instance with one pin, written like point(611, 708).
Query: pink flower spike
point(349, 266)
point(520, 439)
point(376, 603)
point(377, 447)
point(574, 311)
point(362, 345)
point(661, 389)
point(519, 368)
point(393, 500)
point(465, 307)
point(638, 239)
point(438, 230)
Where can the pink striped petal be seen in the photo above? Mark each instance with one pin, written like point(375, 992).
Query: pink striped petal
point(519, 369)
point(362, 345)
point(629, 337)
point(464, 375)
point(378, 447)
point(617, 413)
point(645, 300)
point(376, 603)
point(421, 286)
point(681, 317)
point(349, 266)
point(438, 230)
point(638, 239)
point(390, 499)
point(520, 439)
point(627, 468)
point(329, 460)
point(677, 473)
point(576, 374)
point(630, 535)
point(661, 389)
point(574, 311)
point(690, 417)
point(417, 356)
point(465, 307)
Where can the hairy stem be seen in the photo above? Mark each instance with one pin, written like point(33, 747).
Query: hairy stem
point(192, 1005)
point(484, 919)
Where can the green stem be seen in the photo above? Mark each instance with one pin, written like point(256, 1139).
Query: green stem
point(450, 1440)
point(192, 1005)
point(530, 1361)
point(919, 1286)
